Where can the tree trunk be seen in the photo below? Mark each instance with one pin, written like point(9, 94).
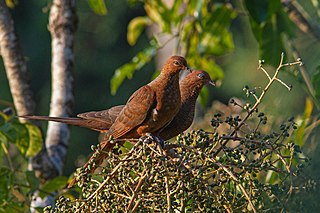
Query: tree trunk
point(15, 64)
point(62, 26)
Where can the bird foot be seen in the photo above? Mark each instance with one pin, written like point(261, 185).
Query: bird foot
point(149, 138)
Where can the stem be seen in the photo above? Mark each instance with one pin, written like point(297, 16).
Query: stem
point(263, 93)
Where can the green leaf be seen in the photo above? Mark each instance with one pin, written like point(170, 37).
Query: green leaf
point(9, 131)
point(176, 17)
point(53, 185)
point(261, 10)
point(158, 12)
point(3, 142)
point(5, 182)
point(271, 44)
point(216, 39)
point(300, 132)
point(98, 6)
point(194, 7)
point(315, 79)
point(32, 180)
point(203, 97)
point(135, 28)
point(127, 70)
point(10, 3)
point(268, 23)
point(22, 141)
point(207, 65)
point(35, 140)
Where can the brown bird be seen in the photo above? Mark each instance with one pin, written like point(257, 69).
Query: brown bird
point(190, 88)
point(148, 110)
point(101, 121)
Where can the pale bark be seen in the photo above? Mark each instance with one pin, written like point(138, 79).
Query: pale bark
point(62, 25)
point(15, 64)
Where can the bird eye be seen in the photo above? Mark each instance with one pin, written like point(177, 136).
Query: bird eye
point(176, 63)
point(201, 75)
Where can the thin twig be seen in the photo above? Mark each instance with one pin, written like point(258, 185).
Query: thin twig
point(258, 101)
point(136, 190)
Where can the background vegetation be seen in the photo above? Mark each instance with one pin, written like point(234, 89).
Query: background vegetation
point(227, 39)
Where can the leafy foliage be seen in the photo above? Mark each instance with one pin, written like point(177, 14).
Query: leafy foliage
point(17, 184)
point(26, 137)
point(269, 23)
point(98, 6)
point(200, 27)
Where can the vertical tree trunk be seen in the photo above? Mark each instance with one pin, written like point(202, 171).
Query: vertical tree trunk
point(62, 26)
point(15, 64)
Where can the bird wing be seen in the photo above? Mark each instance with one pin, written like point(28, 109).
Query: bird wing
point(139, 105)
point(107, 116)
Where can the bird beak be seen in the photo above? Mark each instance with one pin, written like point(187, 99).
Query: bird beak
point(188, 69)
point(212, 83)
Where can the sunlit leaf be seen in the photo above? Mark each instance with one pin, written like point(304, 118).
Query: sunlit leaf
point(3, 142)
point(300, 132)
point(53, 185)
point(35, 140)
point(135, 28)
point(194, 7)
point(98, 6)
point(216, 45)
point(216, 39)
point(176, 17)
point(10, 3)
point(159, 13)
point(207, 65)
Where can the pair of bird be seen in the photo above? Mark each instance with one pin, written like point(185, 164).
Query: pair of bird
point(163, 108)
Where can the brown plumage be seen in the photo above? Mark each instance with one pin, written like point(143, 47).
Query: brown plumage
point(101, 121)
point(148, 110)
point(96, 120)
point(190, 88)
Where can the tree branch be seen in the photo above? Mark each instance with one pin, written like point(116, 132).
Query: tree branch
point(15, 64)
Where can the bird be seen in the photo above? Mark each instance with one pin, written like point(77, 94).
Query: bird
point(190, 88)
point(101, 121)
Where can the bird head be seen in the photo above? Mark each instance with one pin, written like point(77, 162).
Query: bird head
point(175, 64)
point(200, 78)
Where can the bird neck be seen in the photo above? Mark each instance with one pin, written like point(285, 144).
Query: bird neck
point(189, 92)
point(165, 79)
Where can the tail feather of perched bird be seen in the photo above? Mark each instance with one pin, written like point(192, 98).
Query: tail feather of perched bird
point(148, 110)
point(97, 120)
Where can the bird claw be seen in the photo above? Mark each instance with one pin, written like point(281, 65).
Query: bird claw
point(149, 138)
